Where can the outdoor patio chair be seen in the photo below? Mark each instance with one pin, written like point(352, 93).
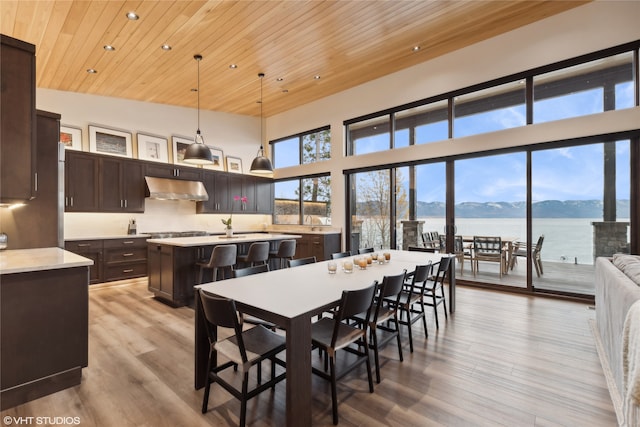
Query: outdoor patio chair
point(520, 250)
point(489, 248)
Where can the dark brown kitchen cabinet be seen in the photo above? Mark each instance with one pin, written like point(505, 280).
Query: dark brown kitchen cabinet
point(161, 170)
point(18, 181)
point(320, 245)
point(91, 249)
point(125, 258)
point(169, 267)
point(264, 190)
point(82, 182)
point(217, 186)
point(121, 185)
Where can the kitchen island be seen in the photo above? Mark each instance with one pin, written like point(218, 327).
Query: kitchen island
point(172, 267)
point(44, 322)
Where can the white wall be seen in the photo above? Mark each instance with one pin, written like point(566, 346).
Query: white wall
point(582, 30)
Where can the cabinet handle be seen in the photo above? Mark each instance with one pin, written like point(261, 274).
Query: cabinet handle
point(128, 242)
point(128, 270)
point(71, 200)
point(66, 201)
point(35, 178)
point(129, 254)
point(125, 203)
point(84, 245)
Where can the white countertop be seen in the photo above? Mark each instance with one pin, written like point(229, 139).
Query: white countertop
point(26, 260)
point(221, 240)
point(95, 237)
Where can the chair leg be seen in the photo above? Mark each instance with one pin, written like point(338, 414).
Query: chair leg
point(424, 319)
point(243, 400)
point(376, 358)
point(334, 392)
point(407, 312)
point(368, 362)
point(205, 399)
point(444, 302)
point(435, 307)
point(395, 321)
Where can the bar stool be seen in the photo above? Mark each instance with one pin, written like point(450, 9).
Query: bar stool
point(258, 254)
point(286, 251)
point(223, 257)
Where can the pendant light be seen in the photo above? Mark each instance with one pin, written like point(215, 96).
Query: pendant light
point(198, 153)
point(261, 164)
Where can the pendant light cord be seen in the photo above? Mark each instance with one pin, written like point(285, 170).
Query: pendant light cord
point(261, 75)
point(198, 58)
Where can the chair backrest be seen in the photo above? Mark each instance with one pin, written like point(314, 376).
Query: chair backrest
point(421, 249)
point(221, 312)
point(287, 249)
point(443, 271)
point(538, 247)
point(301, 261)
point(487, 244)
point(223, 256)
point(390, 288)
point(258, 252)
point(365, 250)
point(248, 271)
point(353, 303)
point(340, 255)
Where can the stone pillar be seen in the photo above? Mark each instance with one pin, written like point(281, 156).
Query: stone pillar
point(609, 237)
point(411, 233)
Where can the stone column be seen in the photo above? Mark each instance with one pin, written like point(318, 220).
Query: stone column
point(411, 233)
point(609, 237)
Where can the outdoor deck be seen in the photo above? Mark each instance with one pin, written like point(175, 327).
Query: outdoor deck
point(557, 276)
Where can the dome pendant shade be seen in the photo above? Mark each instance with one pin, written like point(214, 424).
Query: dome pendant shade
point(261, 164)
point(198, 153)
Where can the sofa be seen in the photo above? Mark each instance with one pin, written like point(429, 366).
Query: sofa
point(617, 297)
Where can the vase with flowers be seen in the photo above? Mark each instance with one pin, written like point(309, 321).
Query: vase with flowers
point(227, 222)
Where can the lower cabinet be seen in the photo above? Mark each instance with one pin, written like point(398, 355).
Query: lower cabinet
point(170, 267)
point(113, 259)
point(319, 245)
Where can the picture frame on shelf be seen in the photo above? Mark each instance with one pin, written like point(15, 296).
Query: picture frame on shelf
point(153, 148)
point(218, 159)
point(180, 144)
point(234, 164)
point(109, 141)
point(71, 137)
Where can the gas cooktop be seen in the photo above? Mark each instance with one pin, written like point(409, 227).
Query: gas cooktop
point(168, 234)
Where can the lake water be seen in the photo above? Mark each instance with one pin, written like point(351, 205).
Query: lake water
point(565, 239)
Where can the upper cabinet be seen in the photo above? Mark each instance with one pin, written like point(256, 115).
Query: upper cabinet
point(18, 180)
point(81, 182)
point(165, 170)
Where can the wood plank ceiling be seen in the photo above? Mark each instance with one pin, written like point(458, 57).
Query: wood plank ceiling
point(345, 43)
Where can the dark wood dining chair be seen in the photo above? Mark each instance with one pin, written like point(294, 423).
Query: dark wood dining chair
point(338, 255)
point(365, 251)
point(243, 349)
point(332, 334)
point(410, 303)
point(431, 296)
point(301, 261)
point(384, 318)
point(248, 271)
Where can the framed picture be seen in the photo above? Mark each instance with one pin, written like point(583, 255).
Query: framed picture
point(71, 137)
point(218, 159)
point(154, 148)
point(234, 164)
point(109, 141)
point(180, 144)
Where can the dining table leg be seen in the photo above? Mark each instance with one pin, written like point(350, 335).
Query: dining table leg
point(298, 358)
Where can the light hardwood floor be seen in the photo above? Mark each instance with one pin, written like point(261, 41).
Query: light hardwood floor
point(502, 359)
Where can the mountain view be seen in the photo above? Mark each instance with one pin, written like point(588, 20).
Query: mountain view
point(543, 209)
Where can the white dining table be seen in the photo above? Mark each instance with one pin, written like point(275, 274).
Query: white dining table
point(290, 298)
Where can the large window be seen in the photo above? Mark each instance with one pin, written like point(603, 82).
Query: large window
point(308, 147)
point(303, 201)
point(570, 89)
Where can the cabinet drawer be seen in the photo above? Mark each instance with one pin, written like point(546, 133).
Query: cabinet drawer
point(80, 246)
point(125, 271)
point(125, 255)
point(134, 242)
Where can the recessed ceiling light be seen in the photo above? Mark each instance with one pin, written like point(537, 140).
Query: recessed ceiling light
point(280, 79)
point(416, 48)
point(92, 71)
point(317, 77)
point(233, 66)
point(109, 48)
point(165, 47)
point(285, 90)
point(132, 16)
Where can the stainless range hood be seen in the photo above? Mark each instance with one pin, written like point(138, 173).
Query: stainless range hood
point(175, 189)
